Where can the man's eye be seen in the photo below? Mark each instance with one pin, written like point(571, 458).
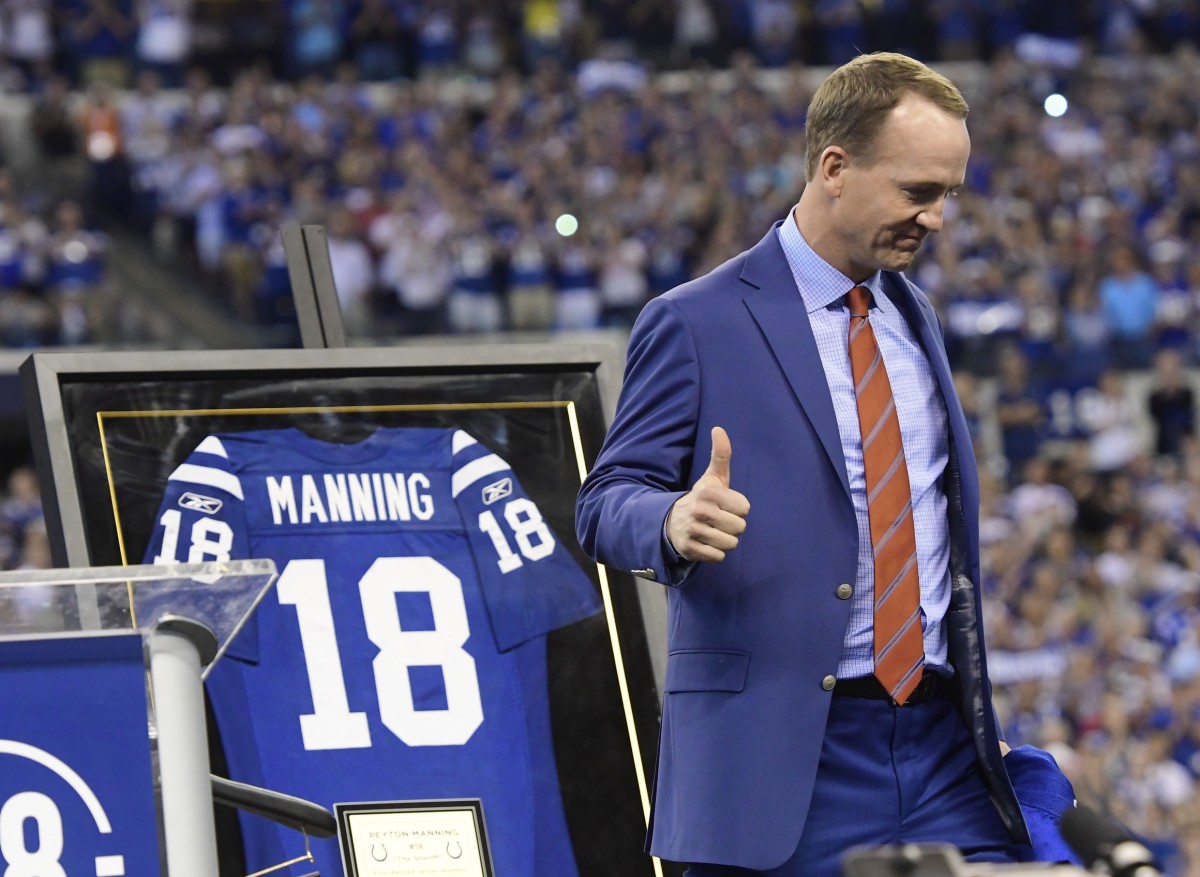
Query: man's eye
point(926, 195)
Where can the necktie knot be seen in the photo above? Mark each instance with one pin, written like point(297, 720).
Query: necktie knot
point(859, 299)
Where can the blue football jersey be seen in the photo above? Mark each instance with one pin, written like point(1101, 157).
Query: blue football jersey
point(401, 654)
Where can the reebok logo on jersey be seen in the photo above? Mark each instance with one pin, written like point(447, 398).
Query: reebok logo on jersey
point(204, 504)
point(497, 490)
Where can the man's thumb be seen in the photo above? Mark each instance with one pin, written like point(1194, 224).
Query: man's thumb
point(722, 450)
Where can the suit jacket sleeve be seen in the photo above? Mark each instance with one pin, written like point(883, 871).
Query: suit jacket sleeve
point(643, 466)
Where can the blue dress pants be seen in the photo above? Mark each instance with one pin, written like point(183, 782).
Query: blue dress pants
point(891, 775)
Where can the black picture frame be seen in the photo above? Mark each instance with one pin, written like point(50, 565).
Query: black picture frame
point(109, 427)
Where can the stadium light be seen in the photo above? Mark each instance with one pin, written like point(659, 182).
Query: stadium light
point(1055, 105)
point(566, 225)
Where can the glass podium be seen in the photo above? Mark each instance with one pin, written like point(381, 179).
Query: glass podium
point(85, 741)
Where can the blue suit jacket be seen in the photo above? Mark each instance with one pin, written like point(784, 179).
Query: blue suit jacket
point(751, 639)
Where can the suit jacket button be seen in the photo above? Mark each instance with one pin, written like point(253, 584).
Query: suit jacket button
point(844, 592)
point(828, 682)
point(645, 574)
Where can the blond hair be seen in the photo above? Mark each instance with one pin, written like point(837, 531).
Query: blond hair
point(850, 106)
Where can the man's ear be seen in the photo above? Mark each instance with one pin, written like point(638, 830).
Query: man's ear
point(831, 169)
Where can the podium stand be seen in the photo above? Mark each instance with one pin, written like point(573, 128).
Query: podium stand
point(101, 773)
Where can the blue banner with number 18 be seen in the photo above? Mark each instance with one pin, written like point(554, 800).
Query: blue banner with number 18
point(76, 789)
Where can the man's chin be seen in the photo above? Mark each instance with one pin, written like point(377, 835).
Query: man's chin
point(899, 260)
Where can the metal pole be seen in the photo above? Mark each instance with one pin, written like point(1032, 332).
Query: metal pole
point(187, 802)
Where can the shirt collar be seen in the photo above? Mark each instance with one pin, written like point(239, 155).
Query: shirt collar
point(821, 284)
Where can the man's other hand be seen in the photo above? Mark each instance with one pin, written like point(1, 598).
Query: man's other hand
point(705, 523)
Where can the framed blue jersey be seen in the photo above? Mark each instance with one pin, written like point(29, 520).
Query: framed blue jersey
point(436, 632)
point(402, 655)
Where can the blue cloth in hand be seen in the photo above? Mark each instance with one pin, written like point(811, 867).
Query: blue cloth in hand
point(1045, 794)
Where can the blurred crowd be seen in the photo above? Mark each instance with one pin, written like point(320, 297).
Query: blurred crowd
point(561, 187)
point(25, 546)
point(53, 288)
point(23, 541)
point(1092, 602)
point(565, 199)
point(112, 40)
point(484, 167)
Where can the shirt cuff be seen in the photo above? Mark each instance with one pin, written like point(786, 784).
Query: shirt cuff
point(678, 567)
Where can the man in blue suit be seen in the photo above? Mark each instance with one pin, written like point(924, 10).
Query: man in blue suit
point(735, 473)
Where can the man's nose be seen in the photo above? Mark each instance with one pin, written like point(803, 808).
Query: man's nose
point(931, 217)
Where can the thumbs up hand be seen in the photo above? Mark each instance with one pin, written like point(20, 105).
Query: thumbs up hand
point(704, 524)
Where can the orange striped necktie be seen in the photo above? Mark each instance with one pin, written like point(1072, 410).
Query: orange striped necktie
point(899, 644)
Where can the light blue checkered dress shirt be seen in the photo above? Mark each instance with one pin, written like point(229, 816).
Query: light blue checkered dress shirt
point(923, 428)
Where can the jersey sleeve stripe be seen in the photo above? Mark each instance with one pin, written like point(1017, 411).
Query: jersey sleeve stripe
point(462, 440)
point(211, 445)
point(208, 477)
point(473, 471)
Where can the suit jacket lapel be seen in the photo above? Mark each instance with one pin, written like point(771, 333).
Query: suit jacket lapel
point(924, 322)
point(777, 307)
